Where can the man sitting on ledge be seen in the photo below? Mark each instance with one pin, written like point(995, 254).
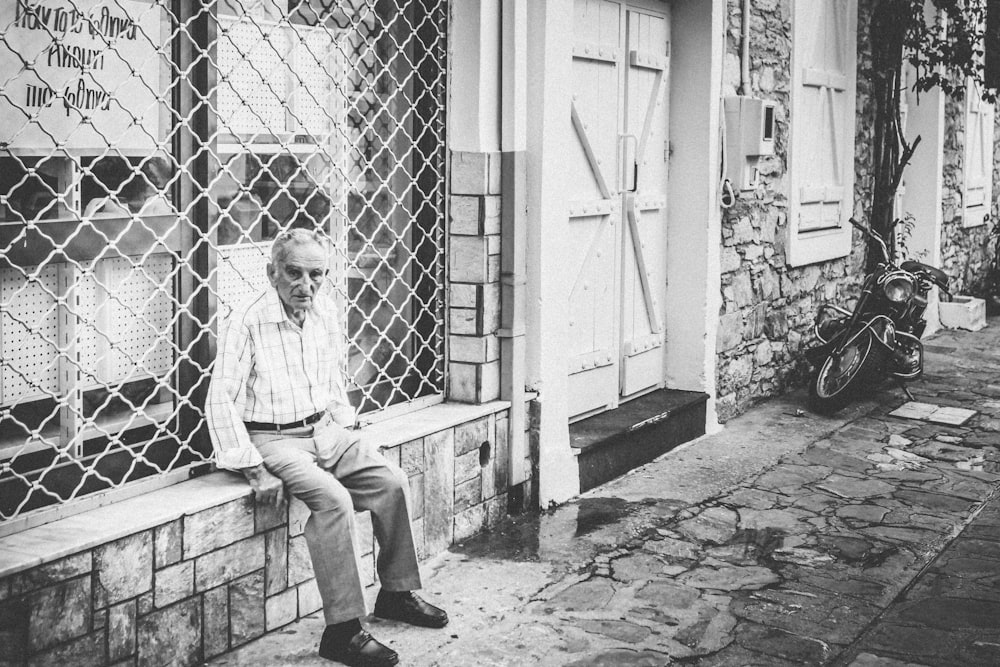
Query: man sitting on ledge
point(277, 411)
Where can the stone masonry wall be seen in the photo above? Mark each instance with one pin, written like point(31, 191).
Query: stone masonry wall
point(207, 582)
point(768, 307)
point(965, 251)
point(474, 278)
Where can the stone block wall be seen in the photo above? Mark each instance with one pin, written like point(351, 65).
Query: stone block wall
point(204, 583)
point(768, 307)
point(474, 278)
point(965, 251)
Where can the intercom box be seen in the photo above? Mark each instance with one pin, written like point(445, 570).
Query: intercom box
point(750, 126)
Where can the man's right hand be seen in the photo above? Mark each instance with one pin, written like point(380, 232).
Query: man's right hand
point(266, 487)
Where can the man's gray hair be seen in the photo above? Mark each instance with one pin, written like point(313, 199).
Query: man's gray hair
point(295, 236)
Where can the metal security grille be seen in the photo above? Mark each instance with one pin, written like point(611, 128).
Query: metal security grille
point(150, 151)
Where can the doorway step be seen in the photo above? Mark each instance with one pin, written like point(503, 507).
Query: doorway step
point(611, 443)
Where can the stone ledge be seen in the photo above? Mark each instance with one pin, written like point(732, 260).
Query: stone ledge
point(44, 544)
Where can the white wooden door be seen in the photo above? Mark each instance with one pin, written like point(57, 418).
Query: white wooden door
point(616, 249)
point(978, 156)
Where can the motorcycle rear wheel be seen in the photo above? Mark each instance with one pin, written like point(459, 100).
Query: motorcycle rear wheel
point(841, 376)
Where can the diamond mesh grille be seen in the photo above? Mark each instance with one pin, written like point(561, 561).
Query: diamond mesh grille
point(150, 150)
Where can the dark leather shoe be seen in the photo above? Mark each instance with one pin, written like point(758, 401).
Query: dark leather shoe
point(362, 651)
point(408, 608)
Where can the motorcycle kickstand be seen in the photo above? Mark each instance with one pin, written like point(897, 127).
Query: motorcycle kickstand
point(902, 385)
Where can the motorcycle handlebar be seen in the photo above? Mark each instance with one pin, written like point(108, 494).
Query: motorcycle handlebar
point(867, 231)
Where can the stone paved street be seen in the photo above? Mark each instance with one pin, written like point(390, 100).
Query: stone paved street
point(785, 539)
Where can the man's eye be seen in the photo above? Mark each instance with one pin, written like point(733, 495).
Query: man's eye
point(316, 275)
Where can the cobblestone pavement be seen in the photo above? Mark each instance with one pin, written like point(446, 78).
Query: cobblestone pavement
point(786, 539)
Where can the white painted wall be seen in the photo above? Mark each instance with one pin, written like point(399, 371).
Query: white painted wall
point(474, 103)
point(924, 181)
point(549, 88)
point(694, 271)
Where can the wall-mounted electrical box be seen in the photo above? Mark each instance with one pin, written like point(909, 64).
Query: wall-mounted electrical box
point(750, 126)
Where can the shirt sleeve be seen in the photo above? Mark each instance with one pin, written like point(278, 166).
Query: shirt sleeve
point(340, 408)
point(227, 399)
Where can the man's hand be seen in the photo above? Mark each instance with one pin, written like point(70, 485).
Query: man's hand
point(266, 487)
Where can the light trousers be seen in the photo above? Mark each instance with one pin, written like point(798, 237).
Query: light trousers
point(334, 473)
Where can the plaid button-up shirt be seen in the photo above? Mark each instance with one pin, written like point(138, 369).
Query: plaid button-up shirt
point(270, 370)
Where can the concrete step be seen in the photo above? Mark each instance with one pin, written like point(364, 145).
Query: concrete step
point(612, 443)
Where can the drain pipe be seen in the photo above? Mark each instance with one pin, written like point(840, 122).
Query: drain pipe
point(745, 49)
point(514, 239)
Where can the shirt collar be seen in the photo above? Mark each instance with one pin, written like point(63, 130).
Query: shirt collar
point(274, 311)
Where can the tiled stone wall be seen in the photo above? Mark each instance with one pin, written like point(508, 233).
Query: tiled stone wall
point(768, 307)
point(474, 278)
point(197, 586)
point(965, 251)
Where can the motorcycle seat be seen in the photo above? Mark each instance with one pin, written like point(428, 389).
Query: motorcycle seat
point(937, 276)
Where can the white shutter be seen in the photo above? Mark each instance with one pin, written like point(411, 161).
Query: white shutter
point(822, 129)
point(978, 165)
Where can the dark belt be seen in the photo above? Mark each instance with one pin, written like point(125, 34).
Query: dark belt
point(265, 426)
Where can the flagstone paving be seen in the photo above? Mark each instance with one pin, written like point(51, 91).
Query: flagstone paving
point(869, 539)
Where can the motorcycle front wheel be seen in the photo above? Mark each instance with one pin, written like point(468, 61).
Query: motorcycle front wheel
point(841, 376)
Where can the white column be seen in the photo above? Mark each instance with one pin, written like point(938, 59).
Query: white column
point(474, 102)
point(693, 260)
point(549, 87)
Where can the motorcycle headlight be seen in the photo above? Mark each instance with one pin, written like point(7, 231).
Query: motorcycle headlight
point(898, 288)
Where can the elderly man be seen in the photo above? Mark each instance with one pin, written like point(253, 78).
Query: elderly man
point(277, 412)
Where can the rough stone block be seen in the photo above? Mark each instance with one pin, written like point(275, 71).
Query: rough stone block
point(488, 474)
point(491, 307)
point(216, 607)
point(469, 349)
point(281, 609)
point(463, 382)
point(236, 560)
point(171, 636)
point(145, 603)
point(392, 455)
point(471, 435)
point(461, 295)
point(493, 244)
point(411, 457)
point(492, 348)
point(468, 259)
point(299, 562)
point(466, 215)
point(492, 269)
point(218, 526)
point(366, 532)
point(475, 173)
point(496, 510)
point(59, 613)
point(309, 598)
point(276, 561)
point(123, 568)
point(417, 525)
point(173, 583)
point(298, 514)
point(470, 522)
point(51, 573)
point(121, 631)
point(84, 652)
point(491, 215)
point(269, 515)
point(14, 630)
point(99, 620)
point(167, 543)
point(467, 466)
point(463, 321)
point(489, 382)
point(439, 489)
point(246, 608)
point(468, 494)
point(417, 496)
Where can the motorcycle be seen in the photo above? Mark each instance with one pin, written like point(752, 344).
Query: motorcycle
point(880, 338)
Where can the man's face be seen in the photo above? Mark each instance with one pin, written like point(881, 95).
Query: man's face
point(299, 275)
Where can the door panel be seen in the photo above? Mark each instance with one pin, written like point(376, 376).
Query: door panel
point(617, 247)
point(594, 215)
point(644, 248)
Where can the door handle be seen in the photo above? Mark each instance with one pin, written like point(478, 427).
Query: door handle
point(623, 143)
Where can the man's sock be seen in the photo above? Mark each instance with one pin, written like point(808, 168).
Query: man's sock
point(341, 633)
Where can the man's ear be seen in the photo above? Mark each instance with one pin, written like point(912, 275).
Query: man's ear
point(272, 274)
